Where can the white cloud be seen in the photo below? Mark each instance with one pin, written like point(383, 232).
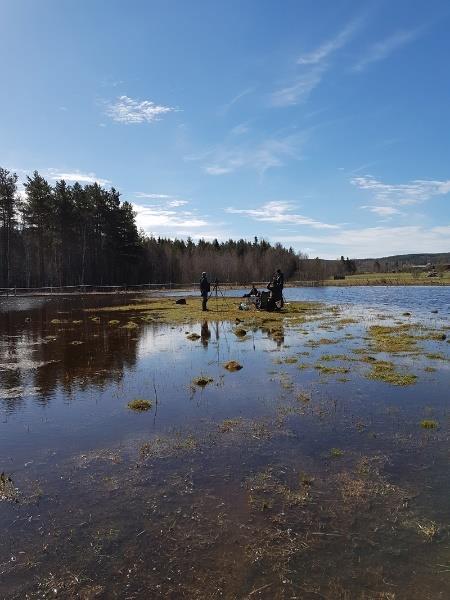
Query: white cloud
point(127, 110)
point(403, 194)
point(329, 47)
point(267, 154)
point(73, 176)
point(164, 219)
point(279, 212)
point(384, 48)
point(170, 200)
point(376, 241)
point(177, 203)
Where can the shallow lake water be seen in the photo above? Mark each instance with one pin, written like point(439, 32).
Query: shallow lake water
point(302, 475)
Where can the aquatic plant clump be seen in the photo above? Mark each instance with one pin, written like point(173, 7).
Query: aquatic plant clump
point(7, 490)
point(240, 332)
point(232, 365)
point(429, 424)
point(336, 453)
point(193, 337)
point(385, 371)
point(130, 325)
point(140, 405)
point(393, 339)
point(202, 381)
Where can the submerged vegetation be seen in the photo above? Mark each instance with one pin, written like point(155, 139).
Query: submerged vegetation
point(140, 405)
point(429, 424)
point(281, 463)
point(386, 371)
point(202, 380)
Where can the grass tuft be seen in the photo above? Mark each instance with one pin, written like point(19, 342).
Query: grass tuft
point(429, 424)
point(139, 405)
point(232, 365)
point(202, 381)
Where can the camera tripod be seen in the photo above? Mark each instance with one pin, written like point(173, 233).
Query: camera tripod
point(216, 291)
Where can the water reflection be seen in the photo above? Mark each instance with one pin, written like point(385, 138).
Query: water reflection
point(51, 349)
point(205, 334)
point(284, 464)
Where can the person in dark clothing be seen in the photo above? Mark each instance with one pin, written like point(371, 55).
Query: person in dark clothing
point(279, 277)
point(252, 292)
point(204, 290)
point(276, 288)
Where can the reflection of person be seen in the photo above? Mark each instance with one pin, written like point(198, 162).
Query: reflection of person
point(204, 290)
point(205, 334)
point(252, 292)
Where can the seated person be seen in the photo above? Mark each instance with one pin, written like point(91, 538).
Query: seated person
point(252, 292)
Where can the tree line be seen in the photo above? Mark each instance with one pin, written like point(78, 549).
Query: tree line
point(62, 235)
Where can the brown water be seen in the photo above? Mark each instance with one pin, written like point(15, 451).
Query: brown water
point(281, 480)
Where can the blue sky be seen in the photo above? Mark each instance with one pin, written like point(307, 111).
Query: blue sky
point(319, 124)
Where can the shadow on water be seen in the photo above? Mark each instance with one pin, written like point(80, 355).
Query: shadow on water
point(317, 470)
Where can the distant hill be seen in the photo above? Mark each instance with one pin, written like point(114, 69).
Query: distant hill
point(399, 261)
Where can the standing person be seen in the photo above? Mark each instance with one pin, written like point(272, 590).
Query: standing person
point(280, 283)
point(276, 288)
point(204, 290)
point(279, 278)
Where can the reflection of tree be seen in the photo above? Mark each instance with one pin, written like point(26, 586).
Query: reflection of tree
point(66, 355)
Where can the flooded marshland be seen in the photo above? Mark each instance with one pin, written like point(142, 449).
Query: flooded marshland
point(147, 451)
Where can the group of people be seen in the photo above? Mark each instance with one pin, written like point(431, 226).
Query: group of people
point(275, 288)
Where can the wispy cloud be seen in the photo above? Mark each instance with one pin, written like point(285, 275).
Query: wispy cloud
point(259, 156)
point(299, 90)
point(330, 46)
point(384, 48)
point(279, 212)
point(403, 194)
point(73, 176)
point(376, 241)
point(383, 211)
point(226, 107)
point(240, 129)
point(152, 196)
point(313, 65)
point(127, 110)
